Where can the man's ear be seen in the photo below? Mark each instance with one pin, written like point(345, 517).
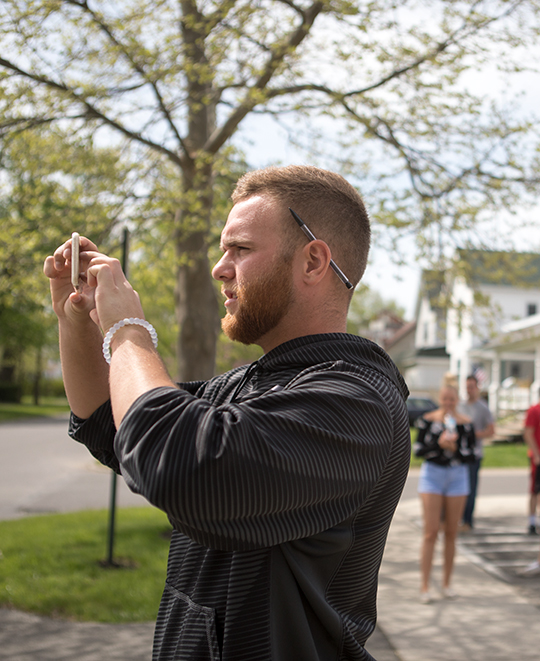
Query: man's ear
point(316, 261)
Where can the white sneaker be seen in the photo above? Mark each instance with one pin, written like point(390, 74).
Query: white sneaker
point(449, 593)
point(531, 570)
point(426, 598)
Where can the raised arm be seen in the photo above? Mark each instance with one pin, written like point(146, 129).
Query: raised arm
point(106, 297)
point(136, 367)
point(85, 372)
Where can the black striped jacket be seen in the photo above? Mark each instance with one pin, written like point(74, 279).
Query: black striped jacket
point(280, 480)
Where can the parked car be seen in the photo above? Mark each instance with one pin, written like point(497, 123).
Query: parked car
point(417, 406)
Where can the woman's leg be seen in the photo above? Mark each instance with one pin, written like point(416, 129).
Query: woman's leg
point(454, 506)
point(432, 507)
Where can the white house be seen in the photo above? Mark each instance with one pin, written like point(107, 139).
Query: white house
point(493, 290)
point(418, 349)
point(485, 320)
point(513, 361)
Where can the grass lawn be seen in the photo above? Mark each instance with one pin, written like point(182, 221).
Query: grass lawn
point(50, 565)
point(48, 408)
point(500, 455)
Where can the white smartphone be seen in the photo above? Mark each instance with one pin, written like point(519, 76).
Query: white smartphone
point(75, 260)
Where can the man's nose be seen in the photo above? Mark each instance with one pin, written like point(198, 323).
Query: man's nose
point(224, 269)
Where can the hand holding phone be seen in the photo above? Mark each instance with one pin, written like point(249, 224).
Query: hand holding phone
point(75, 247)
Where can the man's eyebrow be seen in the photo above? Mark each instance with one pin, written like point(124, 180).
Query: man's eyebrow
point(233, 242)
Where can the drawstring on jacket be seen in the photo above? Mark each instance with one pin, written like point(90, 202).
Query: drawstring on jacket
point(247, 376)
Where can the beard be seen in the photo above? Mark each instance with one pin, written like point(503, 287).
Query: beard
point(261, 305)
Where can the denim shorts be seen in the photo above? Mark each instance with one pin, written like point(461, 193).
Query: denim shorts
point(444, 480)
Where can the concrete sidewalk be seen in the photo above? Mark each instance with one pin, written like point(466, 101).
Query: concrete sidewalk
point(27, 637)
point(490, 620)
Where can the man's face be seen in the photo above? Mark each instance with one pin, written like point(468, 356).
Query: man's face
point(473, 392)
point(256, 277)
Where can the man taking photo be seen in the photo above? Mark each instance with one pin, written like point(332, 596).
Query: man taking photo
point(280, 478)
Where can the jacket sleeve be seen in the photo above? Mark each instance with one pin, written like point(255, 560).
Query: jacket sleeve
point(98, 431)
point(277, 467)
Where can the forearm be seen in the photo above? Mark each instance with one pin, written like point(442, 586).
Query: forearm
point(136, 368)
point(487, 432)
point(108, 298)
point(84, 370)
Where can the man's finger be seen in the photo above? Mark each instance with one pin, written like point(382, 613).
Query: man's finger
point(49, 267)
point(100, 274)
point(63, 253)
point(86, 245)
point(95, 257)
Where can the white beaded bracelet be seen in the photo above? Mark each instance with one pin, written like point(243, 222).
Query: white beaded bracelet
point(131, 321)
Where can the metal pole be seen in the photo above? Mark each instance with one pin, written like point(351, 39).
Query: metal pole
point(112, 519)
point(114, 476)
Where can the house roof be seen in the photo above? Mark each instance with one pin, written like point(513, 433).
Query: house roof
point(516, 335)
point(433, 352)
point(520, 324)
point(409, 327)
point(496, 267)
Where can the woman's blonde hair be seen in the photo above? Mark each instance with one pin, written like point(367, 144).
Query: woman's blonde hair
point(450, 379)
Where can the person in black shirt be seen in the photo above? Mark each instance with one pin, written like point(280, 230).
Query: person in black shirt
point(280, 478)
point(446, 441)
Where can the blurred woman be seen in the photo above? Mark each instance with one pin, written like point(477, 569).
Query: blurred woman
point(446, 441)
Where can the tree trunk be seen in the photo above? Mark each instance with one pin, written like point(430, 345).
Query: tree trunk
point(196, 301)
point(197, 314)
point(10, 390)
point(197, 309)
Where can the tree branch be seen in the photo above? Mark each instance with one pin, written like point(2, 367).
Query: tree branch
point(291, 4)
point(223, 133)
point(106, 29)
point(219, 15)
point(10, 125)
point(92, 112)
point(465, 30)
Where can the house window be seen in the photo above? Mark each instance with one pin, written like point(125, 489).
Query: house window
point(531, 309)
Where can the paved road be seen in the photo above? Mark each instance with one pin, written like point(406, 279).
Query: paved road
point(43, 470)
